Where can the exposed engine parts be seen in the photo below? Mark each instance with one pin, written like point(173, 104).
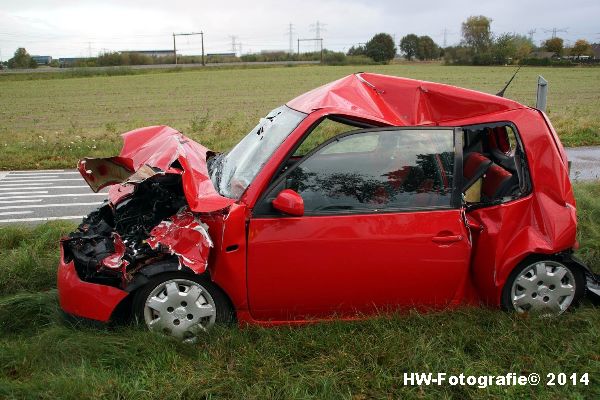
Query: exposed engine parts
point(153, 223)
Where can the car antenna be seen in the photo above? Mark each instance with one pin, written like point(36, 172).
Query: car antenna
point(501, 93)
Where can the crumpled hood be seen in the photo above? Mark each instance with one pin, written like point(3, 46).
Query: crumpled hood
point(156, 150)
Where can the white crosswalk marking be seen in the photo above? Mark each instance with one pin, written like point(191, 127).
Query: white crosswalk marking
point(16, 212)
point(39, 196)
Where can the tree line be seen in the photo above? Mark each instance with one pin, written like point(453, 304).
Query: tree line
point(478, 46)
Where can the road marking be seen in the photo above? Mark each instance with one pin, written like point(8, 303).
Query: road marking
point(16, 212)
point(50, 205)
point(27, 178)
point(12, 173)
point(10, 184)
point(3, 174)
point(20, 201)
point(53, 195)
point(41, 219)
point(38, 192)
point(37, 170)
point(31, 176)
point(10, 180)
point(2, 187)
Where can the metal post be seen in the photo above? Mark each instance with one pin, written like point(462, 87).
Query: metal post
point(298, 46)
point(321, 51)
point(542, 94)
point(174, 49)
point(202, 38)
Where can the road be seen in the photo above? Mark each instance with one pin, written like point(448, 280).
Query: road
point(38, 196)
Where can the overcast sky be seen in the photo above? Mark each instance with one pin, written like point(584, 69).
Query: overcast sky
point(63, 28)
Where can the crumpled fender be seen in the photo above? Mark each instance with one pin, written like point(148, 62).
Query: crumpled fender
point(185, 236)
point(156, 150)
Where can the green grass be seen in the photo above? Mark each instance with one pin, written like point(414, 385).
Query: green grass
point(48, 123)
point(44, 356)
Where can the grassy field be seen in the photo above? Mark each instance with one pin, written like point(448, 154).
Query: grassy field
point(47, 123)
point(43, 356)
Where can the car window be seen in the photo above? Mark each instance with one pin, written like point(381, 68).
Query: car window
point(324, 131)
point(231, 173)
point(494, 168)
point(371, 171)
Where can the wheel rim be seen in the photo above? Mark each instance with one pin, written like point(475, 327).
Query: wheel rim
point(546, 286)
point(181, 308)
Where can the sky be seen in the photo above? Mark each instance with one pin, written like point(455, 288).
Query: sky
point(79, 28)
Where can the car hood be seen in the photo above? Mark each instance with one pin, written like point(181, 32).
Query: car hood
point(150, 151)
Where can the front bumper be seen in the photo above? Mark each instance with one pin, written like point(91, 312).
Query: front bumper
point(83, 299)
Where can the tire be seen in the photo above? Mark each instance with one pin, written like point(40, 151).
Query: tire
point(181, 305)
point(543, 286)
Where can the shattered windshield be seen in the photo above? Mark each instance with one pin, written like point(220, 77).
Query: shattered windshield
point(231, 173)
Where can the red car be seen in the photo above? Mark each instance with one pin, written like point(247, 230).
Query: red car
point(370, 193)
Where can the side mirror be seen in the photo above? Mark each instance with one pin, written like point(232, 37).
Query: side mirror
point(289, 202)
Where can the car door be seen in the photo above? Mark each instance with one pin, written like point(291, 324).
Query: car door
point(382, 227)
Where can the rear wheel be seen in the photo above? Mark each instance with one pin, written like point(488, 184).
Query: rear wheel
point(181, 305)
point(544, 286)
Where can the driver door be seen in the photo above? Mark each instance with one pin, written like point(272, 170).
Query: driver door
point(382, 227)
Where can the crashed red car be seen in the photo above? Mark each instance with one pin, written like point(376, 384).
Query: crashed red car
point(366, 194)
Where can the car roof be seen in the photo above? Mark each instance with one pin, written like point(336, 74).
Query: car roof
point(399, 101)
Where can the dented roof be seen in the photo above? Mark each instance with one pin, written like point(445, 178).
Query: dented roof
point(400, 101)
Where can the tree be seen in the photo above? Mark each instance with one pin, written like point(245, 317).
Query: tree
point(22, 59)
point(409, 45)
point(554, 45)
point(582, 48)
point(427, 49)
point(381, 48)
point(477, 34)
point(357, 51)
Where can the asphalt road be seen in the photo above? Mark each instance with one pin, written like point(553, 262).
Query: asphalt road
point(38, 196)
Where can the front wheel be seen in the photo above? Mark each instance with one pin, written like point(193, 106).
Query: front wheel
point(181, 305)
point(544, 287)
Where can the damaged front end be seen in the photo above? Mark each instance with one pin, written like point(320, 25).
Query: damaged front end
point(152, 213)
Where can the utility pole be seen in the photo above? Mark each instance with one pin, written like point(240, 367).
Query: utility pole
point(316, 44)
point(291, 37)
point(187, 34)
point(174, 49)
point(202, 39)
point(531, 32)
point(445, 37)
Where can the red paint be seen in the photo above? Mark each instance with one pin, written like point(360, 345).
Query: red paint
point(186, 238)
point(301, 269)
point(83, 299)
point(289, 202)
point(159, 147)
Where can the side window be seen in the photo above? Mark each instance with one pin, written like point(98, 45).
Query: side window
point(494, 167)
point(378, 170)
point(322, 133)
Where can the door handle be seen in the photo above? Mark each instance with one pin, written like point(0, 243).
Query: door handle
point(447, 239)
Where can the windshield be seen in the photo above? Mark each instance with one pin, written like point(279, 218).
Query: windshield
point(231, 173)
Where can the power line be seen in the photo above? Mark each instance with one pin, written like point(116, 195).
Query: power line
point(556, 30)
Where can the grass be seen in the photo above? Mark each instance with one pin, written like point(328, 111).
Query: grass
point(44, 356)
point(51, 123)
